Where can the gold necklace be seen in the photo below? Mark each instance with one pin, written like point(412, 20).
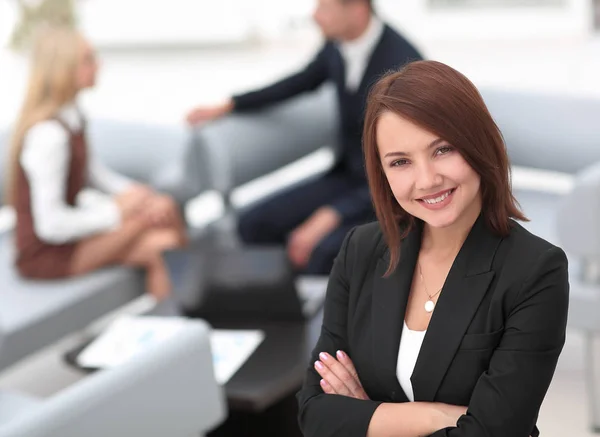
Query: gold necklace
point(430, 304)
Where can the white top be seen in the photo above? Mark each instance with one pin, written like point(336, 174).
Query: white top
point(45, 160)
point(357, 53)
point(410, 345)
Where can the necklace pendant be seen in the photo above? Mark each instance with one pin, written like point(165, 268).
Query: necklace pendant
point(429, 306)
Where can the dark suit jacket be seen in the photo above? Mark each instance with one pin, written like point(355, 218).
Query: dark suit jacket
point(492, 344)
point(390, 53)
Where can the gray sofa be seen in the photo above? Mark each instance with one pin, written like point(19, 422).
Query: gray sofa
point(168, 390)
point(545, 132)
point(34, 314)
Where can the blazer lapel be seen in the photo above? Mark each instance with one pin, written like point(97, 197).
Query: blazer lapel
point(464, 289)
point(390, 296)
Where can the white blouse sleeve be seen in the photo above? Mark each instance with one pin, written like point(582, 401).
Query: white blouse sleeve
point(45, 160)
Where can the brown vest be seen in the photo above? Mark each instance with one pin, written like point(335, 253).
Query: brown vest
point(35, 258)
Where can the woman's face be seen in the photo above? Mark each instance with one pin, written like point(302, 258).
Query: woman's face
point(429, 178)
point(87, 66)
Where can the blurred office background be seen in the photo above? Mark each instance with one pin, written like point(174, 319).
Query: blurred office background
point(209, 49)
point(159, 58)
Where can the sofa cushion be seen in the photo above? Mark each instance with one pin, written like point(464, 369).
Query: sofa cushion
point(545, 131)
point(540, 208)
point(14, 404)
point(138, 150)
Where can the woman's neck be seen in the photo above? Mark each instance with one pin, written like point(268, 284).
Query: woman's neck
point(446, 242)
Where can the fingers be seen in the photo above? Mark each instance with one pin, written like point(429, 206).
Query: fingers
point(345, 361)
point(298, 256)
point(342, 378)
point(194, 116)
point(327, 389)
point(162, 211)
point(330, 380)
point(133, 200)
point(296, 250)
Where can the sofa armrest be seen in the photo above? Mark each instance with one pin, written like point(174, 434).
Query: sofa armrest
point(244, 146)
point(578, 216)
point(169, 390)
point(547, 131)
point(7, 219)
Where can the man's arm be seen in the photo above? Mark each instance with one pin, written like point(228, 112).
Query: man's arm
point(306, 80)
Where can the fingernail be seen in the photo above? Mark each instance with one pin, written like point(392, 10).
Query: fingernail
point(323, 356)
point(319, 365)
point(341, 355)
point(323, 383)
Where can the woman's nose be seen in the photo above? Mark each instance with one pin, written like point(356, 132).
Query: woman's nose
point(427, 177)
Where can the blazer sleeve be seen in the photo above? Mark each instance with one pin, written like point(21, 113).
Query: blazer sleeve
point(320, 414)
point(308, 79)
point(507, 398)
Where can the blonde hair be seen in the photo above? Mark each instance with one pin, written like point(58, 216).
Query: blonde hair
point(52, 84)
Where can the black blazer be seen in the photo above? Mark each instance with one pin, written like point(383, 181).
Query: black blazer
point(391, 52)
point(492, 344)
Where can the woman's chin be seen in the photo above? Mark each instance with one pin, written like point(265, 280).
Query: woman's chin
point(438, 219)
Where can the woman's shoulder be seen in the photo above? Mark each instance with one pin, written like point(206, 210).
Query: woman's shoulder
point(49, 128)
point(524, 239)
point(57, 126)
point(47, 137)
point(530, 250)
point(364, 242)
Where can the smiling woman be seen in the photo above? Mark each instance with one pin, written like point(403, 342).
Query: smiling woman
point(445, 318)
point(415, 114)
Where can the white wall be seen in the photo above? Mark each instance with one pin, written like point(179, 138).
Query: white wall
point(573, 20)
point(164, 22)
point(8, 16)
point(204, 22)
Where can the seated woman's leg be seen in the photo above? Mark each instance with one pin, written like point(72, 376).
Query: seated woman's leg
point(168, 215)
point(106, 249)
point(170, 233)
point(147, 253)
point(136, 244)
point(144, 250)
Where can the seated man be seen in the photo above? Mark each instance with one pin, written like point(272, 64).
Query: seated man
point(314, 218)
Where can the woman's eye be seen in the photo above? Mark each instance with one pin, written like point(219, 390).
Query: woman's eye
point(443, 150)
point(399, 162)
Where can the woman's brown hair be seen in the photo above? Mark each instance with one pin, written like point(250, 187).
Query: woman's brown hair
point(441, 100)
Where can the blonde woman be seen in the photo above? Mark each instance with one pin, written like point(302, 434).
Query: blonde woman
point(58, 234)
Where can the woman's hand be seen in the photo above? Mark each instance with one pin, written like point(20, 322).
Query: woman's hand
point(339, 376)
point(447, 415)
point(161, 210)
point(132, 201)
